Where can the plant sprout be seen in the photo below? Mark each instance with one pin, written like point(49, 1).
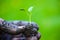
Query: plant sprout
point(29, 13)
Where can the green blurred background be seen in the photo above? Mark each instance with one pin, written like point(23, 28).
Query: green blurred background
point(46, 13)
